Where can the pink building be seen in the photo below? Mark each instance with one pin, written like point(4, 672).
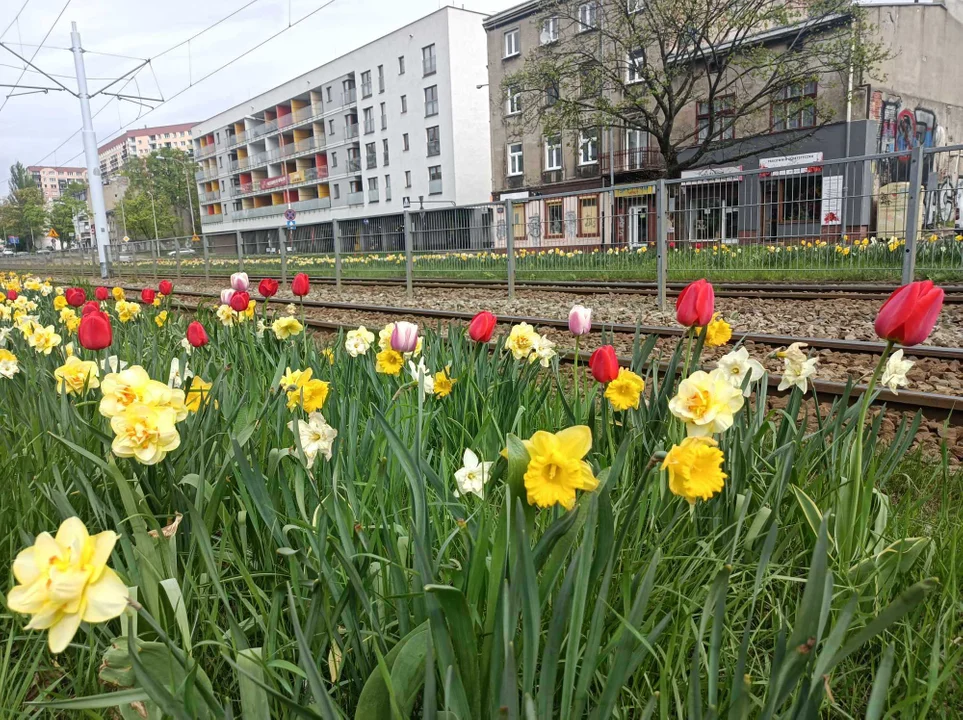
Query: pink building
point(142, 142)
point(53, 180)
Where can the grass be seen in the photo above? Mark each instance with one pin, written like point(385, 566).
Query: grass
point(363, 587)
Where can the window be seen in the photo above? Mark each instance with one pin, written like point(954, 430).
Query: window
point(434, 180)
point(511, 43)
point(553, 152)
point(554, 218)
point(588, 215)
point(404, 104)
point(588, 147)
point(801, 199)
point(407, 178)
point(720, 115)
point(404, 142)
point(431, 101)
point(587, 13)
point(384, 152)
point(515, 159)
point(514, 101)
point(519, 229)
point(387, 188)
point(354, 186)
point(335, 191)
point(218, 136)
point(434, 141)
point(381, 78)
point(794, 107)
point(636, 143)
point(384, 117)
point(589, 80)
point(373, 189)
point(334, 158)
point(368, 120)
point(366, 83)
point(549, 32)
point(401, 64)
point(636, 66)
point(551, 95)
point(428, 59)
point(330, 127)
point(371, 155)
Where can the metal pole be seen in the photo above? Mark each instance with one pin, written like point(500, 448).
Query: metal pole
point(90, 153)
point(661, 231)
point(611, 156)
point(240, 252)
point(207, 258)
point(284, 256)
point(190, 200)
point(409, 261)
point(510, 248)
point(913, 205)
point(336, 237)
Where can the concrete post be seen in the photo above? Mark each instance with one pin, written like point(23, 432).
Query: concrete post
point(661, 235)
point(409, 260)
point(510, 248)
point(207, 257)
point(284, 256)
point(336, 237)
point(913, 204)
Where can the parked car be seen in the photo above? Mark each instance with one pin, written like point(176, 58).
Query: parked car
point(124, 258)
point(185, 252)
point(8, 252)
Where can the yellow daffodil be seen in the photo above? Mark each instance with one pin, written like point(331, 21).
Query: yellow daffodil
point(227, 315)
point(131, 385)
point(64, 580)
point(328, 353)
point(718, 332)
point(625, 391)
point(118, 293)
point(556, 468)
point(198, 394)
point(160, 318)
point(126, 311)
point(389, 362)
point(706, 403)
point(76, 375)
point(59, 303)
point(303, 390)
point(443, 383)
point(156, 301)
point(145, 432)
point(695, 468)
point(384, 336)
point(32, 284)
point(43, 339)
point(522, 341)
point(8, 364)
point(285, 327)
point(357, 342)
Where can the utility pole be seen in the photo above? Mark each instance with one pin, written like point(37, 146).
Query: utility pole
point(90, 153)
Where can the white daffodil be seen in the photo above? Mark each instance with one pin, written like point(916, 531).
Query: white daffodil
point(4, 334)
point(894, 374)
point(542, 352)
point(186, 344)
point(113, 364)
point(422, 375)
point(317, 437)
point(177, 375)
point(798, 368)
point(737, 366)
point(357, 342)
point(472, 476)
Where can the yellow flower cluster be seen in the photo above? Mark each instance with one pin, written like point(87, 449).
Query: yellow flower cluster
point(126, 311)
point(303, 390)
point(625, 391)
point(76, 376)
point(524, 343)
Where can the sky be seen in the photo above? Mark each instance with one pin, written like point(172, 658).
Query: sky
point(118, 35)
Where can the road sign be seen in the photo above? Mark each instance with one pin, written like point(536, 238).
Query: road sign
point(52, 234)
point(13, 240)
point(195, 239)
point(405, 202)
point(125, 239)
point(291, 224)
point(289, 214)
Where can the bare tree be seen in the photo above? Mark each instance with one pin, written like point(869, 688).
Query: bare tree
point(748, 66)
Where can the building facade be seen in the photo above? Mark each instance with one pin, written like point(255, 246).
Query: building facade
point(142, 142)
point(397, 123)
point(53, 180)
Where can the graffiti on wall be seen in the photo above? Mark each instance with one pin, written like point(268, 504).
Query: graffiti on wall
point(899, 129)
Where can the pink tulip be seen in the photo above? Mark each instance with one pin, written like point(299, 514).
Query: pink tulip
point(580, 320)
point(404, 338)
point(226, 296)
point(240, 282)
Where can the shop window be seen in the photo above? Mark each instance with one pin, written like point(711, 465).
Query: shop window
point(801, 199)
point(588, 215)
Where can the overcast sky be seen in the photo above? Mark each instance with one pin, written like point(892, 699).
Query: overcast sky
point(32, 126)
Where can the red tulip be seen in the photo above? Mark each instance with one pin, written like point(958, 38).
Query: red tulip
point(12, 295)
point(604, 364)
point(268, 287)
point(102, 293)
point(197, 335)
point(166, 287)
point(482, 326)
point(94, 332)
point(695, 304)
point(75, 296)
point(301, 286)
point(90, 306)
point(147, 296)
point(240, 301)
point(909, 314)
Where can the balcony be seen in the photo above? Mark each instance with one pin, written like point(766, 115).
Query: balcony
point(295, 179)
point(238, 138)
point(356, 198)
point(301, 206)
point(210, 219)
point(207, 197)
point(354, 165)
point(200, 175)
point(638, 160)
point(369, 126)
point(206, 151)
point(434, 187)
point(351, 131)
point(373, 195)
point(429, 65)
point(263, 129)
point(349, 97)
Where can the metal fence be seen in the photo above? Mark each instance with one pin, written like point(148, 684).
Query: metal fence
point(885, 217)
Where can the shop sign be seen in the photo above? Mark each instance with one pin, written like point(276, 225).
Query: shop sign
point(635, 191)
point(703, 175)
point(810, 160)
point(832, 202)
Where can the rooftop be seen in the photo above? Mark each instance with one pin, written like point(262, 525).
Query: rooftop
point(56, 168)
point(155, 130)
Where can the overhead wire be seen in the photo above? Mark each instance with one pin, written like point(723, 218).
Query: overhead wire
point(36, 52)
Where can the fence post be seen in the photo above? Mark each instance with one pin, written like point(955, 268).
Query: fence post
point(913, 204)
point(177, 257)
point(409, 261)
point(284, 256)
point(155, 251)
point(661, 231)
point(240, 252)
point(207, 258)
point(510, 249)
point(336, 239)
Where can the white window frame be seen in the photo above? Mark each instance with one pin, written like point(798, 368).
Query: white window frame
point(588, 16)
point(549, 32)
point(516, 160)
point(553, 151)
point(514, 102)
point(633, 70)
point(587, 140)
point(511, 45)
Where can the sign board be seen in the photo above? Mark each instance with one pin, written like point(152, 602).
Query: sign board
point(195, 239)
point(832, 202)
point(52, 234)
point(268, 183)
point(710, 175)
point(13, 240)
point(635, 191)
point(406, 202)
point(810, 160)
point(125, 239)
point(289, 214)
point(291, 224)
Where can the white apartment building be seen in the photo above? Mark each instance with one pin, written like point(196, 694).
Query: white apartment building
point(397, 123)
